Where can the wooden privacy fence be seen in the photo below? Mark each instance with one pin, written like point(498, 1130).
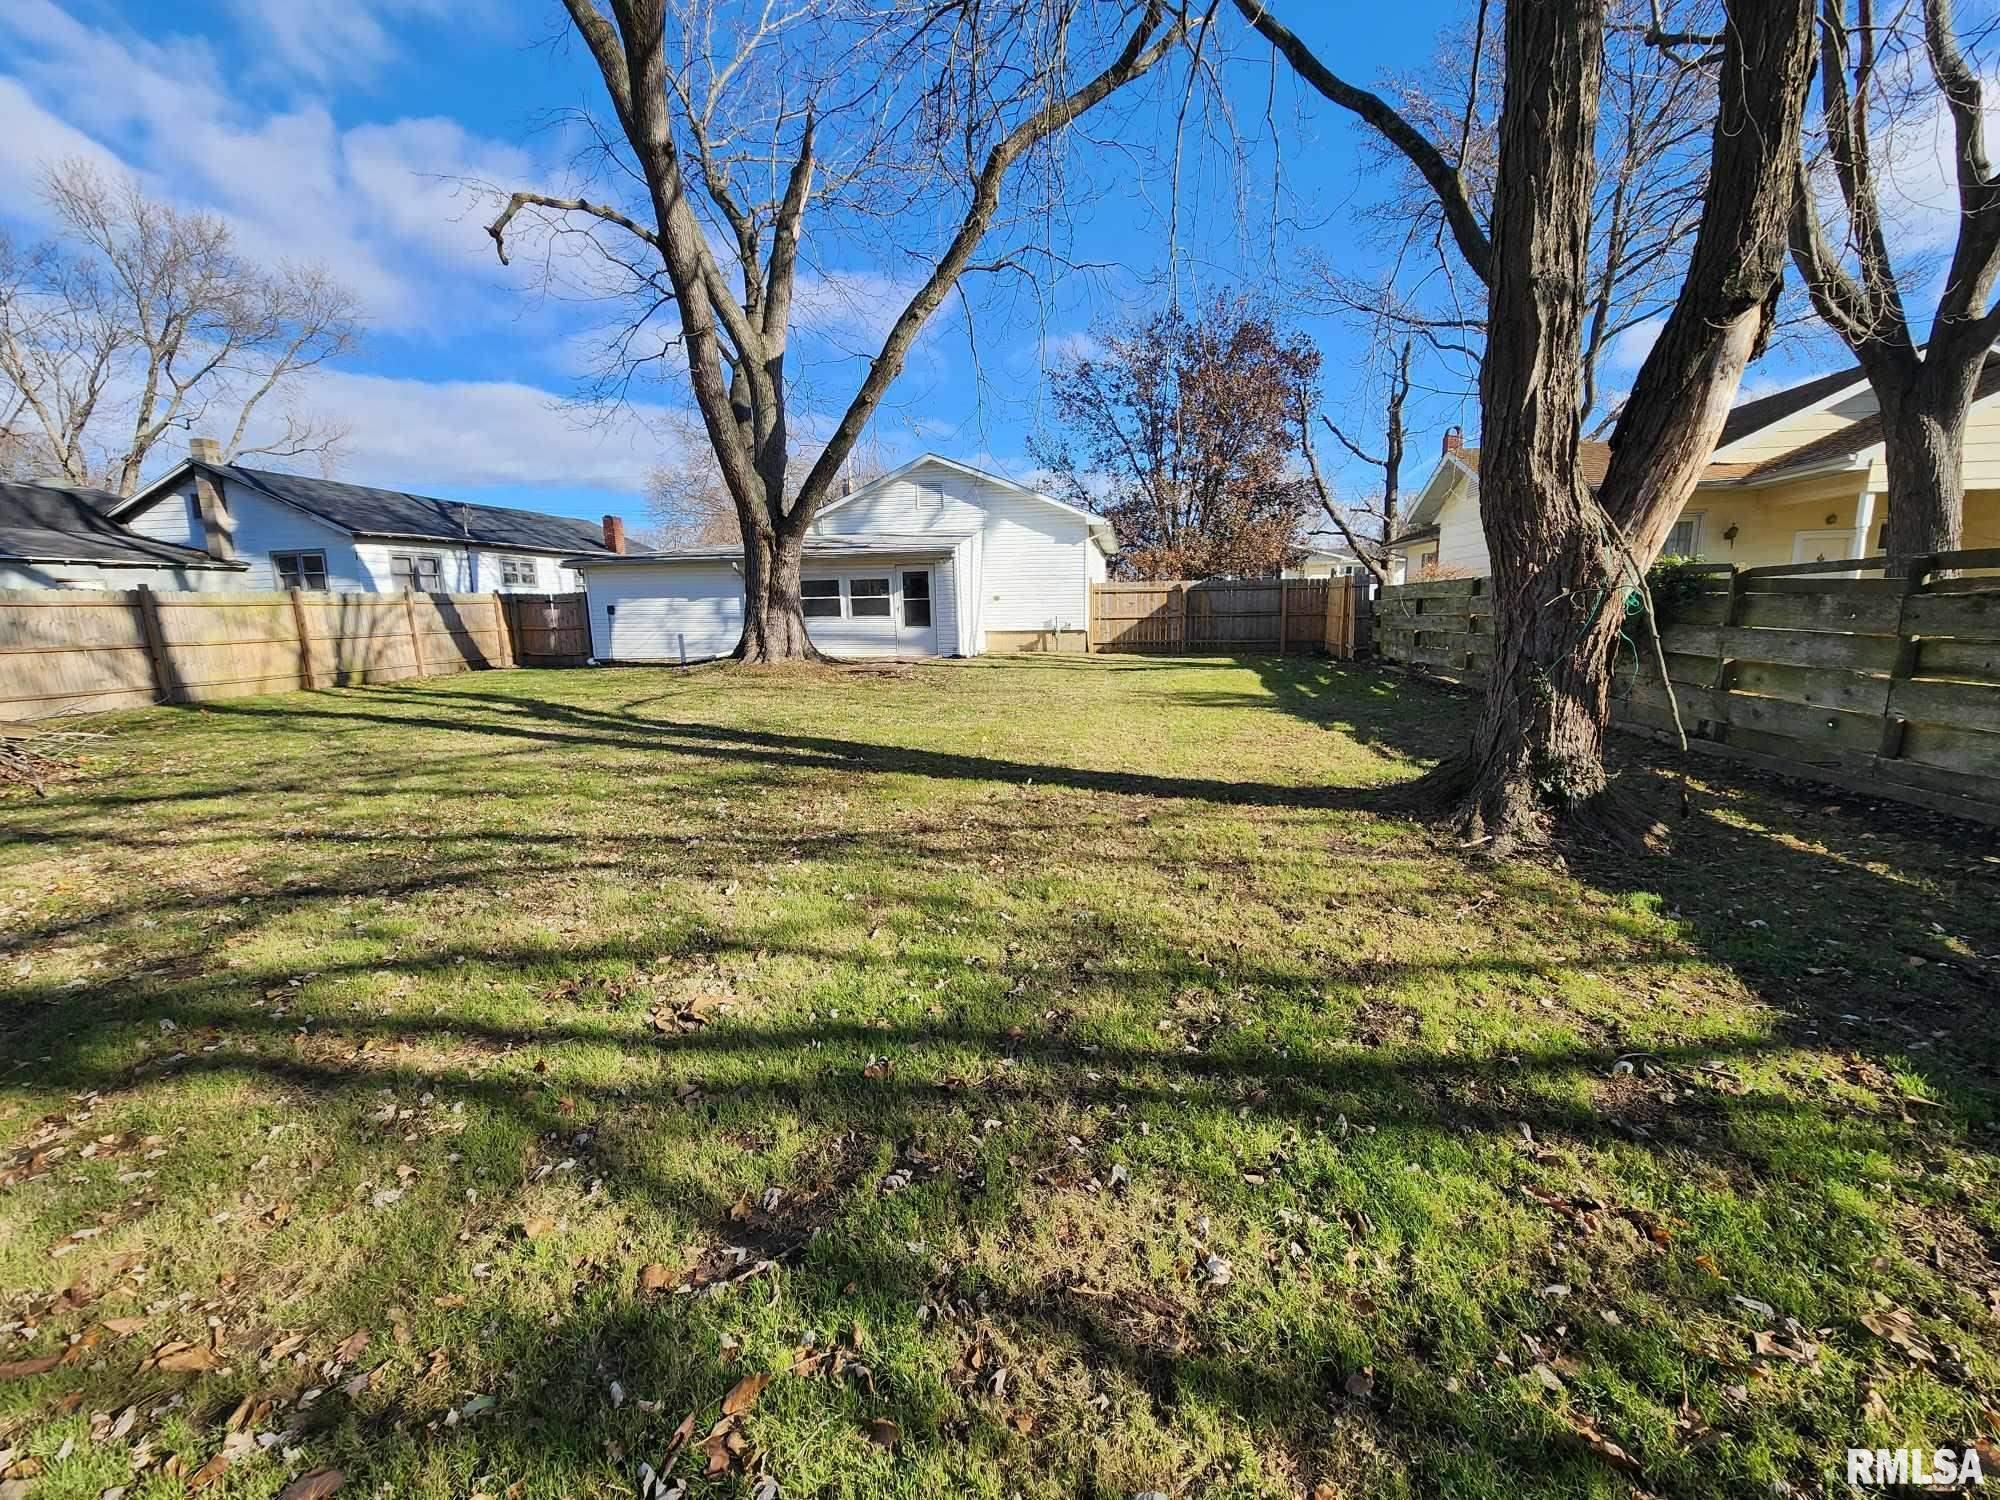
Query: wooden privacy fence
point(1209, 616)
point(1886, 685)
point(548, 630)
point(75, 650)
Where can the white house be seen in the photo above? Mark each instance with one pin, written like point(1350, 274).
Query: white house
point(59, 536)
point(934, 559)
point(1327, 555)
point(1797, 476)
point(293, 531)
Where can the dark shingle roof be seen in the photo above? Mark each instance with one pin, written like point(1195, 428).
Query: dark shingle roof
point(1754, 416)
point(367, 511)
point(58, 523)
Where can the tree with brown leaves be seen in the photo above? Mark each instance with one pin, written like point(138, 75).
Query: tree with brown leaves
point(1178, 428)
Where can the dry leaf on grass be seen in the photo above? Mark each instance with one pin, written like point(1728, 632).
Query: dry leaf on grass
point(1362, 1382)
point(184, 1357)
point(534, 1228)
point(20, 1369)
point(349, 1349)
point(743, 1395)
point(882, 1432)
point(314, 1486)
point(655, 1277)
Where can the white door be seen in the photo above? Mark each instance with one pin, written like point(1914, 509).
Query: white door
point(916, 626)
point(1822, 546)
point(674, 612)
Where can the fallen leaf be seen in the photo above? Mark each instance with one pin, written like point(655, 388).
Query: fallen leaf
point(655, 1277)
point(314, 1486)
point(534, 1228)
point(883, 1433)
point(1362, 1382)
point(349, 1349)
point(21, 1368)
point(743, 1395)
point(209, 1472)
point(185, 1357)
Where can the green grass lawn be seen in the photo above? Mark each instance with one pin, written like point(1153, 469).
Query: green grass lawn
point(1057, 1077)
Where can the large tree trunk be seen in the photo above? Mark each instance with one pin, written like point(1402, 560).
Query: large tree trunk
point(1923, 432)
point(1538, 746)
point(774, 626)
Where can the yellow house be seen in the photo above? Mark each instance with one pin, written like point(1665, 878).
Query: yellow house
point(1798, 476)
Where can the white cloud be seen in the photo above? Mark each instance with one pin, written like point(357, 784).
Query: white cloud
point(1629, 349)
point(348, 39)
point(380, 203)
point(450, 437)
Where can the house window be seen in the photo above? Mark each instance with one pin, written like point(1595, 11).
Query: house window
point(1685, 538)
point(300, 570)
point(518, 572)
point(869, 597)
point(917, 599)
point(417, 570)
point(819, 598)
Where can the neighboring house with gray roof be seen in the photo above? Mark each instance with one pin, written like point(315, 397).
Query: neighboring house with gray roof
point(294, 531)
point(61, 536)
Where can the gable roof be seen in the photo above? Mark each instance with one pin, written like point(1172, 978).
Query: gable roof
point(364, 510)
point(1747, 417)
point(1100, 529)
point(62, 523)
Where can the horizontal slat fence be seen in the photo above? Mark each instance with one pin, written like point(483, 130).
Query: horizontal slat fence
point(1227, 616)
point(75, 650)
point(1886, 685)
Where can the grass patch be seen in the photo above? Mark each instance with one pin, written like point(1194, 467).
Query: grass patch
point(1059, 1076)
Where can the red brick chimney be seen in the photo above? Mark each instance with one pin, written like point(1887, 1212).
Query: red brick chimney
point(614, 534)
point(1454, 439)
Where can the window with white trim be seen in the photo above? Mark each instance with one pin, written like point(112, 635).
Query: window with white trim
point(1685, 538)
point(300, 570)
point(421, 571)
point(819, 598)
point(868, 598)
point(518, 572)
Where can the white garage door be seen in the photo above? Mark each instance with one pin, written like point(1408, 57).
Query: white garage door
point(874, 610)
point(683, 611)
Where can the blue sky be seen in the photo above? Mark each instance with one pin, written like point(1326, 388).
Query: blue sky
point(344, 132)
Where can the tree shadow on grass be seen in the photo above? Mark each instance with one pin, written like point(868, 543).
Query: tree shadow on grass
point(1442, 1149)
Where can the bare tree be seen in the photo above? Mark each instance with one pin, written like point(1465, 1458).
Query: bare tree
point(687, 504)
point(1656, 112)
point(1562, 556)
point(1376, 515)
point(748, 127)
point(1925, 390)
point(1178, 427)
point(141, 318)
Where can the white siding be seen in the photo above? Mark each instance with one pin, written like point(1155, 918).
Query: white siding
point(661, 613)
point(80, 575)
point(1461, 538)
point(1035, 558)
point(1783, 436)
point(172, 520)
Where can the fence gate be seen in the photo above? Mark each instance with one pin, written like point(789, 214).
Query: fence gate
point(1228, 616)
point(549, 630)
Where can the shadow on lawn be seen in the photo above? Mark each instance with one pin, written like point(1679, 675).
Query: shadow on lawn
point(1763, 885)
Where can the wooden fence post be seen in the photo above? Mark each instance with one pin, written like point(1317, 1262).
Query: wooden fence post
point(416, 643)
point(504, 618)
point(305, 642)
point(164, 684)
point(1284, 605)
point(1894, 725)
point(1179, 623)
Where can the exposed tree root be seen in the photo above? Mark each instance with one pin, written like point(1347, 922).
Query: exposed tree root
point(1506, 815)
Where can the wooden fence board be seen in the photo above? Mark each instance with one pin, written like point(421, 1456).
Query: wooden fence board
point(1888, 685)
point(1173, 615)
point(70, 651)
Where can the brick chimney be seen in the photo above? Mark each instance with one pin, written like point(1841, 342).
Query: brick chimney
point(1454, 439)
point(218, 526)
point(614, 534)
